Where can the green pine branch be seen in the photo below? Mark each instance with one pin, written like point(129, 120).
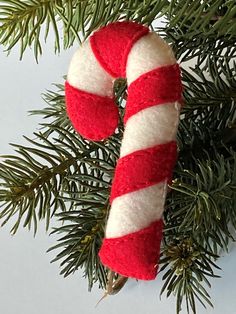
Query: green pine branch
point(189, 267)
point(27, 22)
point(209, 117)
point(32, 180)
point(81, 235)
point(201, 29)
point(205, 24)
point(201, 18)
point(204, 200)
point(54, 115)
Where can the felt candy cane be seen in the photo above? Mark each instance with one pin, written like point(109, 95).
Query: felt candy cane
point(148, 150)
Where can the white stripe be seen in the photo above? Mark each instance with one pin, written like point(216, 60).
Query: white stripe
point(136, 210)
point(152, 126)
point(148, 53)
point(86, 73)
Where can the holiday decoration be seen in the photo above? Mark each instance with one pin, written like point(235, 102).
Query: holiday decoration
point(148, 149)
point(98, 169)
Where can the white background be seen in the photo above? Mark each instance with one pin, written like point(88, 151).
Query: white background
point(29, 284)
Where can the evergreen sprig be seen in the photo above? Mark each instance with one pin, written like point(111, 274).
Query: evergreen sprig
point(82, 233)
point(204, 201)
point(209, 111)
point(201, 29)
point(198, 17)
point(189, 267)
point(34, 178)
point(55, 112)
point(27, 21)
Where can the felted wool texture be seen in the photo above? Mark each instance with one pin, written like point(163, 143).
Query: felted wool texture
point(130, 212)
point(111, 45)
point(136, 254)
point(154, 88)
point(85, 73)
point(127, 49)
point(94, 117)
point(150, 127)
point(148, 53)
point(143, 168)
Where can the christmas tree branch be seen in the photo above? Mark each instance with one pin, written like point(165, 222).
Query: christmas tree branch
point(200, 209)
point(204, 200)
point(33, 179)
point(189, 266)
point(83, 231)
point(208, 116)
point(203, 17)
point(26, 21)
point(201, 29)
point(55, 113)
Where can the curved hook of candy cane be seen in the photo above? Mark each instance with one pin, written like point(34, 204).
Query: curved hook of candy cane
point(148, 151)
point(89, 96)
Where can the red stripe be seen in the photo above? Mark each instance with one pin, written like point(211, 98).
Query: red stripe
point(143, 168)
point(94, 117)
point(111, 45)
point(156, 87)
point(136, 254)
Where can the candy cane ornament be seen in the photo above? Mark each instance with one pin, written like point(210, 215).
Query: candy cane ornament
point(148, 150)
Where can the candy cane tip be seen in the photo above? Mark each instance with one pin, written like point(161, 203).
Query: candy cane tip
point(94, 117)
